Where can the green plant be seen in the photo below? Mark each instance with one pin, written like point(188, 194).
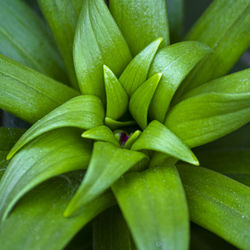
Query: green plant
point(143, 105)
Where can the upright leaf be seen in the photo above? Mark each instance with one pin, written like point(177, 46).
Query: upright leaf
point(51, 154)
point(141, 21)
point(174, 62)
point(107, 164)
point(37, 222)
point(159, 138)
point(24, 38)
point(28, 94)
point(218, 204)
point(132, 138)
point(62, 16)
point(83, 112)
point(98, 41)
point(141, 99)
point(154, 206)
point(225, 28)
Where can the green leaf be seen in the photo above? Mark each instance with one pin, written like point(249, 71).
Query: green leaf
point(3, 162)
point(154, 206)
point(174, 62)
point(107, 164)
point(132, 138)
point(62, 16)
point(176, 19)
point(225, 28)
point(218, 204)
point(49, 155)
point(98, 41)
point(118, 124)
point(137, 71)
point(141, 21)
point(24, 38)
point(117, 98)
point(159, 138)
point(211, 113)
point(101, 133)
point(37, 222)
point(110, 231)
point(28, 94)
point(83, 112)
point(140, 100)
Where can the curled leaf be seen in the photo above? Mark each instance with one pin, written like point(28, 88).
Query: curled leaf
point(118, 124)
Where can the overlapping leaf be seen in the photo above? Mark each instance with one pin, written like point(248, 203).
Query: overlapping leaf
point(108, 163)
point(83, 112)
point(132, 138)
point(28, 94)
point(98, 41)
point(141, 21)
point(154, 206)
point(54, 153)
point(24, 38)
point(218, 204)
point(118, 124)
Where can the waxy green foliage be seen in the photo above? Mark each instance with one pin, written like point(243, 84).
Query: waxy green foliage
point(113, 144)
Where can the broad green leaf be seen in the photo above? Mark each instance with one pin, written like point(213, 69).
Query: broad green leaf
point(24, 38)
point(51, 154)
point(117, 98)
point(154, 206)
point(174, 62)
point(218, 204)
point(110, 231)
point(101, 133)
point(37, 222)
point(28, 94)
point(118, 124)
point(107, 164)
point(132, 138)
point(141, 99)
point(175, 18)
point(212, 113)
point(62, 16)
point(225, 28)
point(83, 112)
point(158, 137)
point(98, 41)
point(141, 21)
point(137, 71)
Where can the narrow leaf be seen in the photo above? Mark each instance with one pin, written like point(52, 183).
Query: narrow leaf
point(101, 133)
point(98, 41)
point(117, 98)
point(24, 38)
point(62, 16)
point(83, 112)
point(137, 71)
point(174, 62)
point(141, 21)
point(107, 164)
point(118, 124)
point(40, 216)
point(159, 138)
point(140, 100)
point(132, 138)
point(218, 204)
point(49, 155)
point(28, 94)
point(154, 206)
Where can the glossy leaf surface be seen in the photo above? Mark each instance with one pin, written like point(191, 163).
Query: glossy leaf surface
point(24, 38)
point(118, 124)
point(28, 94)
point(137, 71)
point(154, 206)
point(97, 42)
point(140, 100)
point(62, 16)
point(174, 62)
point(49, 155)
point(218, 204)
point(107, 164)
point(159, 138)
point(141, 21)
point(83, 112)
